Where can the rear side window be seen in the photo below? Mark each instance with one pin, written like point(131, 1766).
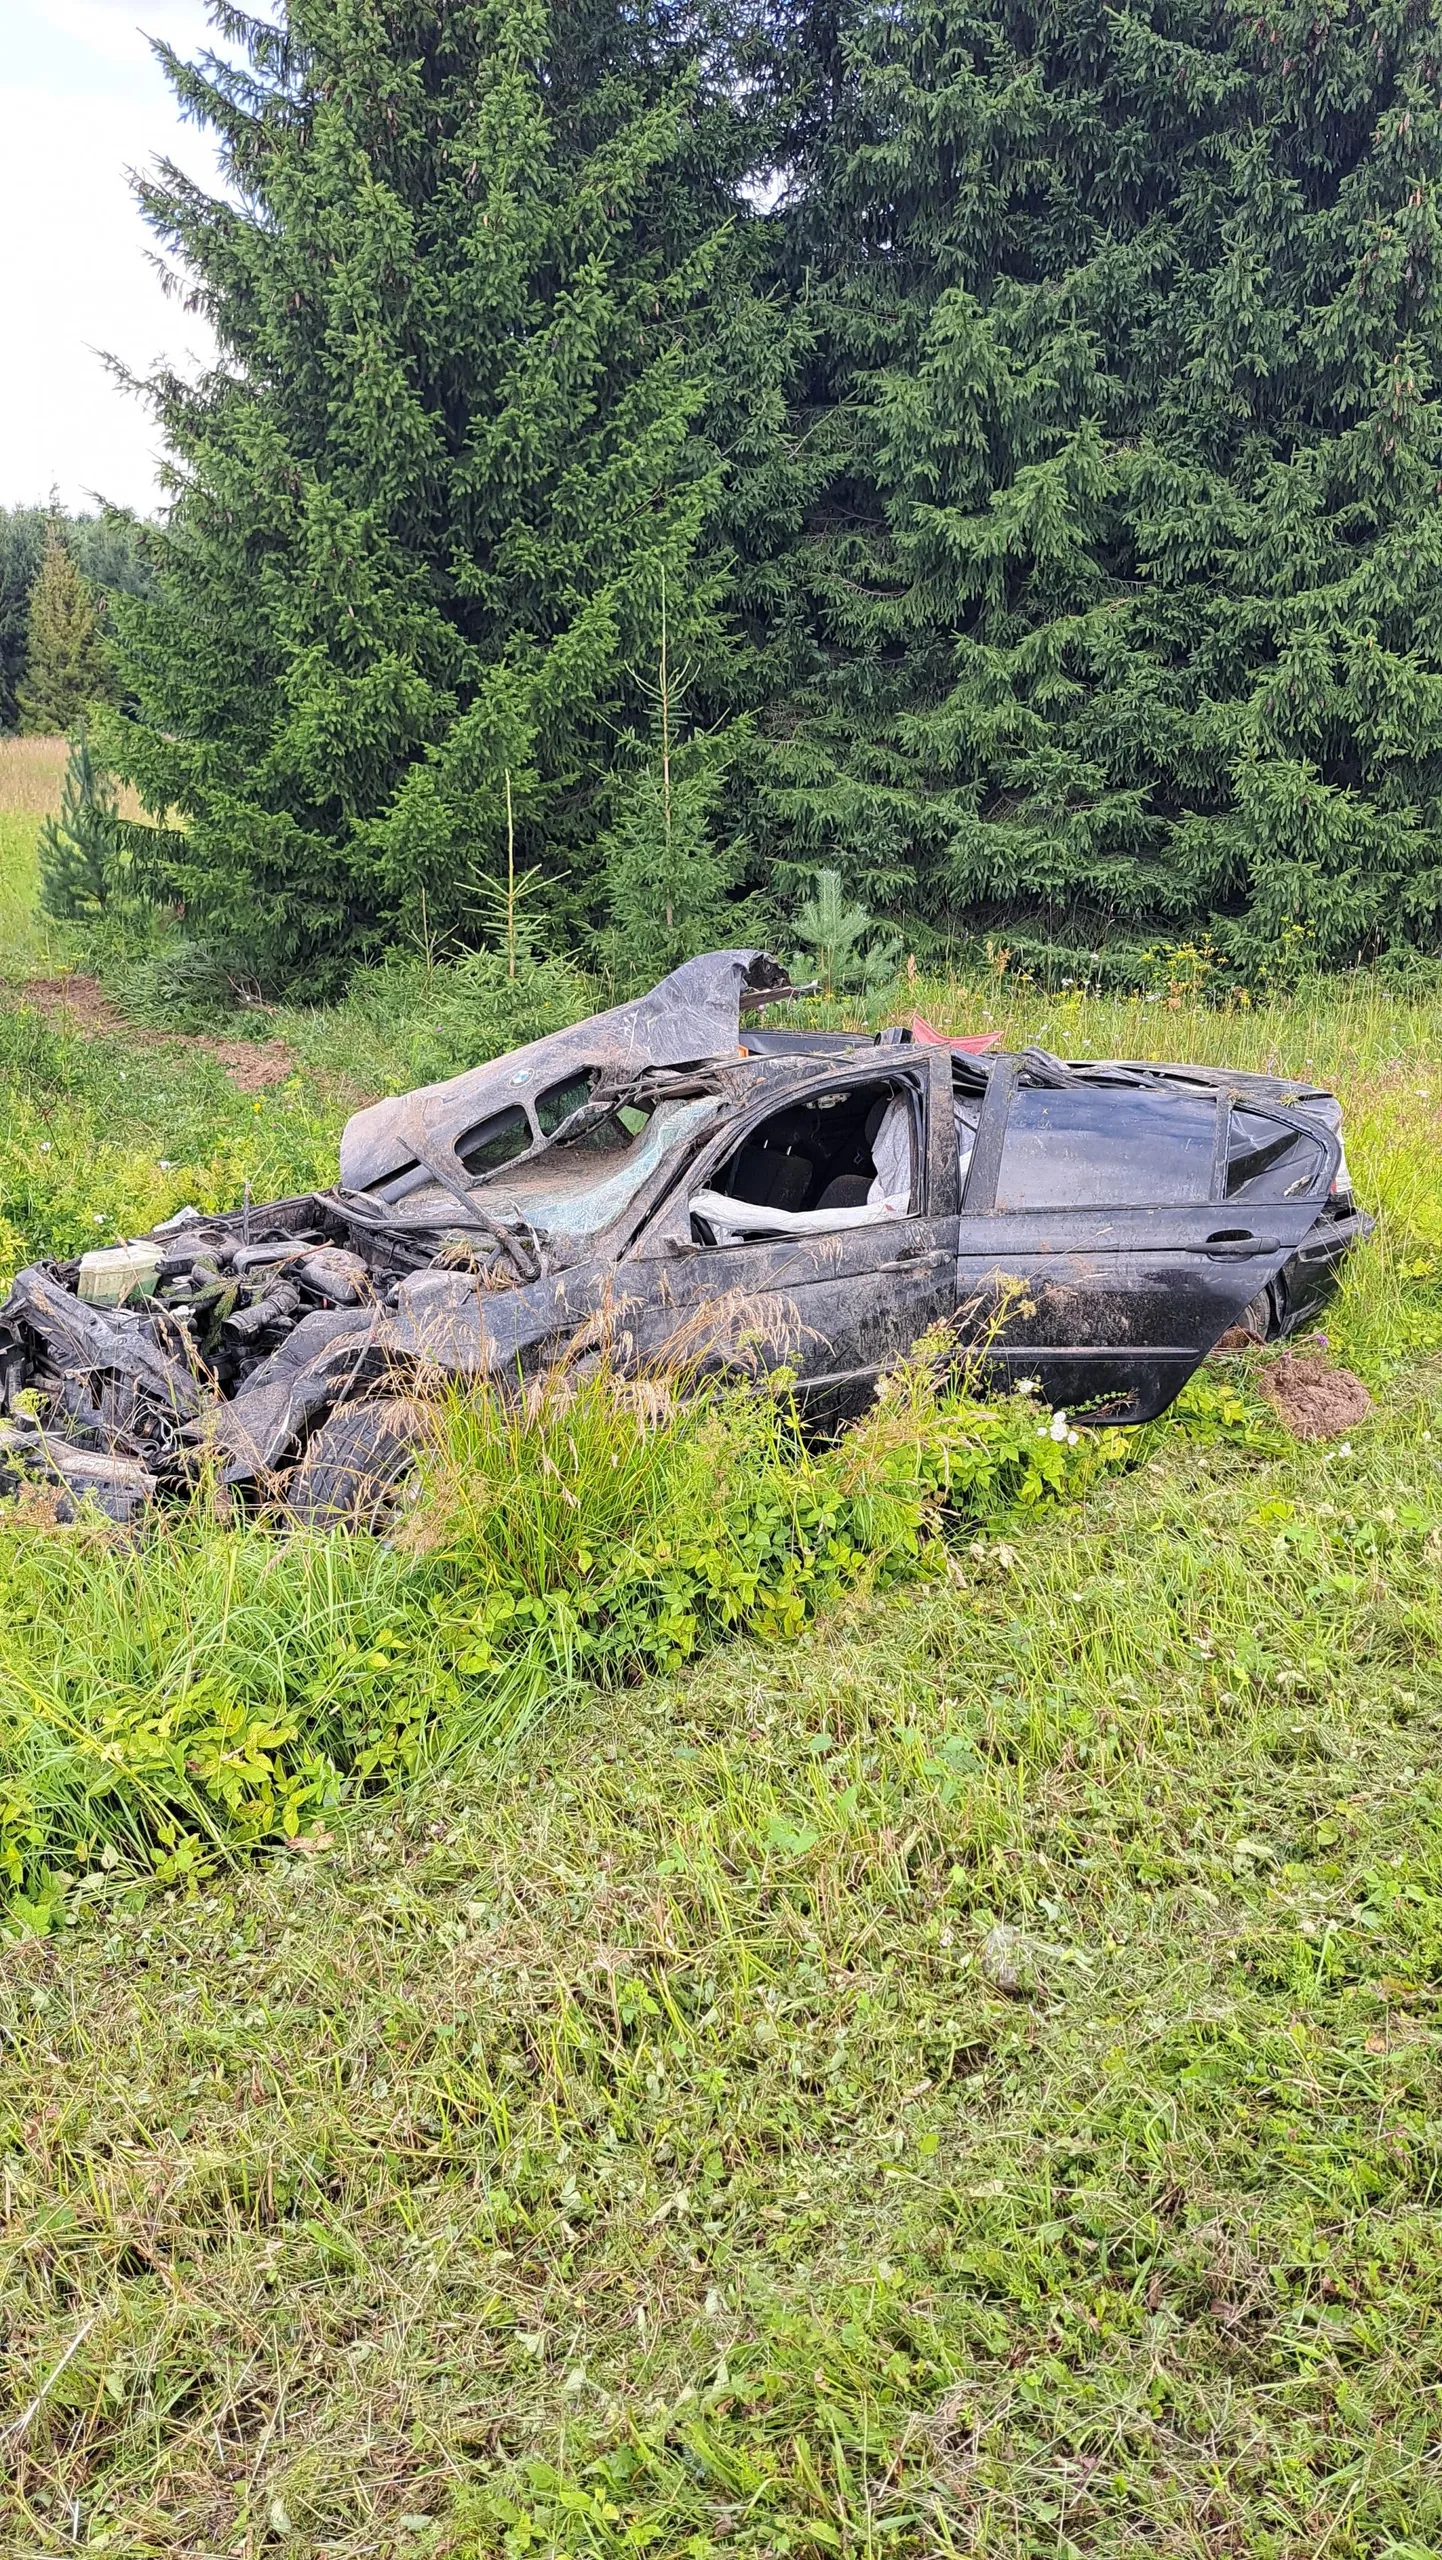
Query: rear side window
point(493, 1142)
point(1105, 1147)
point(1271, 1159)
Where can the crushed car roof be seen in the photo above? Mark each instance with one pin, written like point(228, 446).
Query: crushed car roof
point(692, 1016)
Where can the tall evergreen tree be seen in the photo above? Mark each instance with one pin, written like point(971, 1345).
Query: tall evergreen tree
point(107, 551)
point(469, 278)
point(22, 545)
point(68, 667)
point(1125, 591)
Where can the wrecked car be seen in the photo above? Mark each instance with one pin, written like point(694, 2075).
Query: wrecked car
point(700, 1189)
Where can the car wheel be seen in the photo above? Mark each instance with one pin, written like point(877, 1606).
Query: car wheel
point(352, 1470)
point(1259, 1316)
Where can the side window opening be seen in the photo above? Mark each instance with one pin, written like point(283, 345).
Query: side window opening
point(966, 1102)
point(1105, 1147)
point(1268, 1159)
point(836, 1155)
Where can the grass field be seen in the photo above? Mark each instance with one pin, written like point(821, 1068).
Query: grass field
point(964, 2079)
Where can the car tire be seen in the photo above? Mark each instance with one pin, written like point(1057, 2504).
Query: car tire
point(1259, 1317)
point(351, 1472)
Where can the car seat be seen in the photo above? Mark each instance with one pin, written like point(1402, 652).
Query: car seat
point(776, 1170)
point(853, 1190)
point(846, 1191)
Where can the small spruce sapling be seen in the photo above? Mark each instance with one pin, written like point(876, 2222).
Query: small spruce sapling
point(79, 849)
point(834, 948)
point(668, 879)
point(506, 908)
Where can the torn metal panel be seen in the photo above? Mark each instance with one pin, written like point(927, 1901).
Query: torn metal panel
point(82, 1341)
point(118, 1487)
point(303, 1377)
point(441, 1132)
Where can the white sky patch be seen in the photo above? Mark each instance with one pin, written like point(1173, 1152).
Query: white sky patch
point(82, 101)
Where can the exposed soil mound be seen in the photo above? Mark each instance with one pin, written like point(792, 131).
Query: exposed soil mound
point(1313, 1398)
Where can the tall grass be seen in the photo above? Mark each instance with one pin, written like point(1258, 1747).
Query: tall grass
point(205, 1689)
point(631, 2136)
point(31, 773)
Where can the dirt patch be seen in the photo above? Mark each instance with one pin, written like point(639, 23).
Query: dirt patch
point(1314, 1399)
point(251, 1065)
point(85, 1002)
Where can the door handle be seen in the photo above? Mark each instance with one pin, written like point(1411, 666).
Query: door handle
point(915, 1257)
point(1230, 1244)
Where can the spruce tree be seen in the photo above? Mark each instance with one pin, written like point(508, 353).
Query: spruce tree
point(1123, 596)
point(668, 876)
point(22, 545)
point(107, 551)
point(68, 667)
point(79, 847)
point(466, 279)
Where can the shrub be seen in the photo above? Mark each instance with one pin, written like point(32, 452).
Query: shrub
point(413, 1021)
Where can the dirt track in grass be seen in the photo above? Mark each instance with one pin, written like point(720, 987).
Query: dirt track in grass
point(252, 1065)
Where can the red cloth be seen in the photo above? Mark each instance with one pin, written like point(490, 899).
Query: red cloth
point(974, 1047)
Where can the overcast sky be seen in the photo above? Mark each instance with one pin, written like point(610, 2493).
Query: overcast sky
point(81, 101)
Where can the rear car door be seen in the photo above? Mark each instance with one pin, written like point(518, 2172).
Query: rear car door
point(1100, 1249)
point(837, 1306)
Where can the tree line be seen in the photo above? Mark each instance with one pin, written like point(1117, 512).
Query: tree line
point(986, 452)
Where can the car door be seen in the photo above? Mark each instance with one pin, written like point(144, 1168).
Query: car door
point(1098, 1250)
point(838, 1307)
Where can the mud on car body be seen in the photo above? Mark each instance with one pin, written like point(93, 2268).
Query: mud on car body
point(731, 1197)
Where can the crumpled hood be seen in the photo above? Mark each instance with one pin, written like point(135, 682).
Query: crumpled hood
point(692, 1015)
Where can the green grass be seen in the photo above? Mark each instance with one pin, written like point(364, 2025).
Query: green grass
point(616, 2140)
point(22, 937)
point(624, 2148)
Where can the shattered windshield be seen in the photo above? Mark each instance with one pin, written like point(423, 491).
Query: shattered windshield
point(576, 1188)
